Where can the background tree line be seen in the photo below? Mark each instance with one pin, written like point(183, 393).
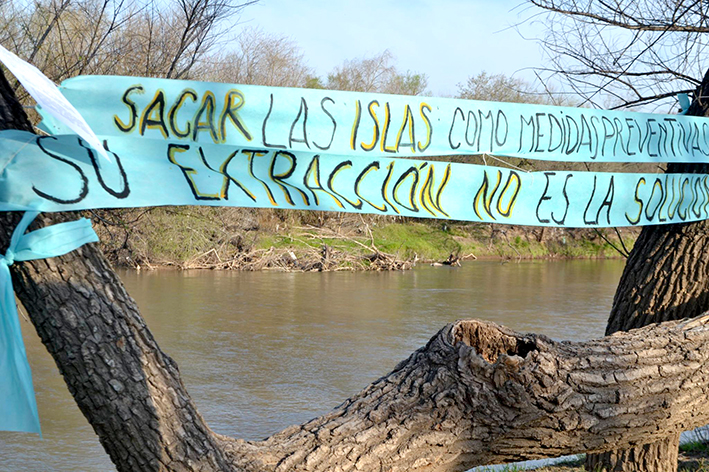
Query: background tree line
point(192, 39)
point(202, 40)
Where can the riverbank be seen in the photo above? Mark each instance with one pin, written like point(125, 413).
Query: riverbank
point(693, 457)
point(252, 239)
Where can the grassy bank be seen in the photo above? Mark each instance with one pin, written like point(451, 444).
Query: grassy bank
point(248, 239)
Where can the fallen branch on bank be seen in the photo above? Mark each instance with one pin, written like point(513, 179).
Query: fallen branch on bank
point(313, 255)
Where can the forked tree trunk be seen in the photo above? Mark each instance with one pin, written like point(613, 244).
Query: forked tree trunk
point(476, 394)
point(666, 278)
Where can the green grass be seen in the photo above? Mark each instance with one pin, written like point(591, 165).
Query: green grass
point(180, 234)
point(695, 447)
point(177, 235)
point(416, 239)
point(266, 241)
point(188, 235)
point(508, 468)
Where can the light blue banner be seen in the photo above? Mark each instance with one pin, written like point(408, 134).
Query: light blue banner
point(372, 125)
point(62, 173)
point(197, 143)
point(18, 408)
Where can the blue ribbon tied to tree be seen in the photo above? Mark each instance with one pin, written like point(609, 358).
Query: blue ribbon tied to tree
point(18, 407)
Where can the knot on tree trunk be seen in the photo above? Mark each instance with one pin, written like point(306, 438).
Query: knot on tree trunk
point(490, 340)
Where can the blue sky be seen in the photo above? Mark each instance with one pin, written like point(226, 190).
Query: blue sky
point(448, 40)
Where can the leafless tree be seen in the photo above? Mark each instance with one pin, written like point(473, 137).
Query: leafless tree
point(500, 88)
point(376, 74)
point(65, 38)
point(628, 52)
point(639, 53)
point(261, 59)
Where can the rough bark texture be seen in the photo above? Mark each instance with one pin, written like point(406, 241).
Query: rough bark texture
point(12, 116)
point(657, 456)
point(666, 278)
point(667, 274)
point(128, 389)
point(477, 393)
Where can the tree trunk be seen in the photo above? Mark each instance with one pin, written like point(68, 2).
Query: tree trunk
point(655, 457)
point(479, 393)
point(666, 278)
point(476, 394)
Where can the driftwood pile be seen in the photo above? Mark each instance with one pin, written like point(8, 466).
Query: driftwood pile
point(313, 256)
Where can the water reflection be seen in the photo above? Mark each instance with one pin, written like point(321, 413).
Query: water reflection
point(261, 351)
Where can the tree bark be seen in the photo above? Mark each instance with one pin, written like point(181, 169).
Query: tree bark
point(477, 393)
point(658, 456)
point(666, 278)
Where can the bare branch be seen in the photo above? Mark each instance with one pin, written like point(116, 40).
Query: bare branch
point(631, 52)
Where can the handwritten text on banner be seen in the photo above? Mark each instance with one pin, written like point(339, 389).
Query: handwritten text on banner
point(376, 125)
point(61, 173)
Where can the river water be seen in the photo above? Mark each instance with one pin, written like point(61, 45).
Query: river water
point(262, 351)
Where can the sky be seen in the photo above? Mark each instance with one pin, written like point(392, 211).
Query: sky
point(448, 40)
